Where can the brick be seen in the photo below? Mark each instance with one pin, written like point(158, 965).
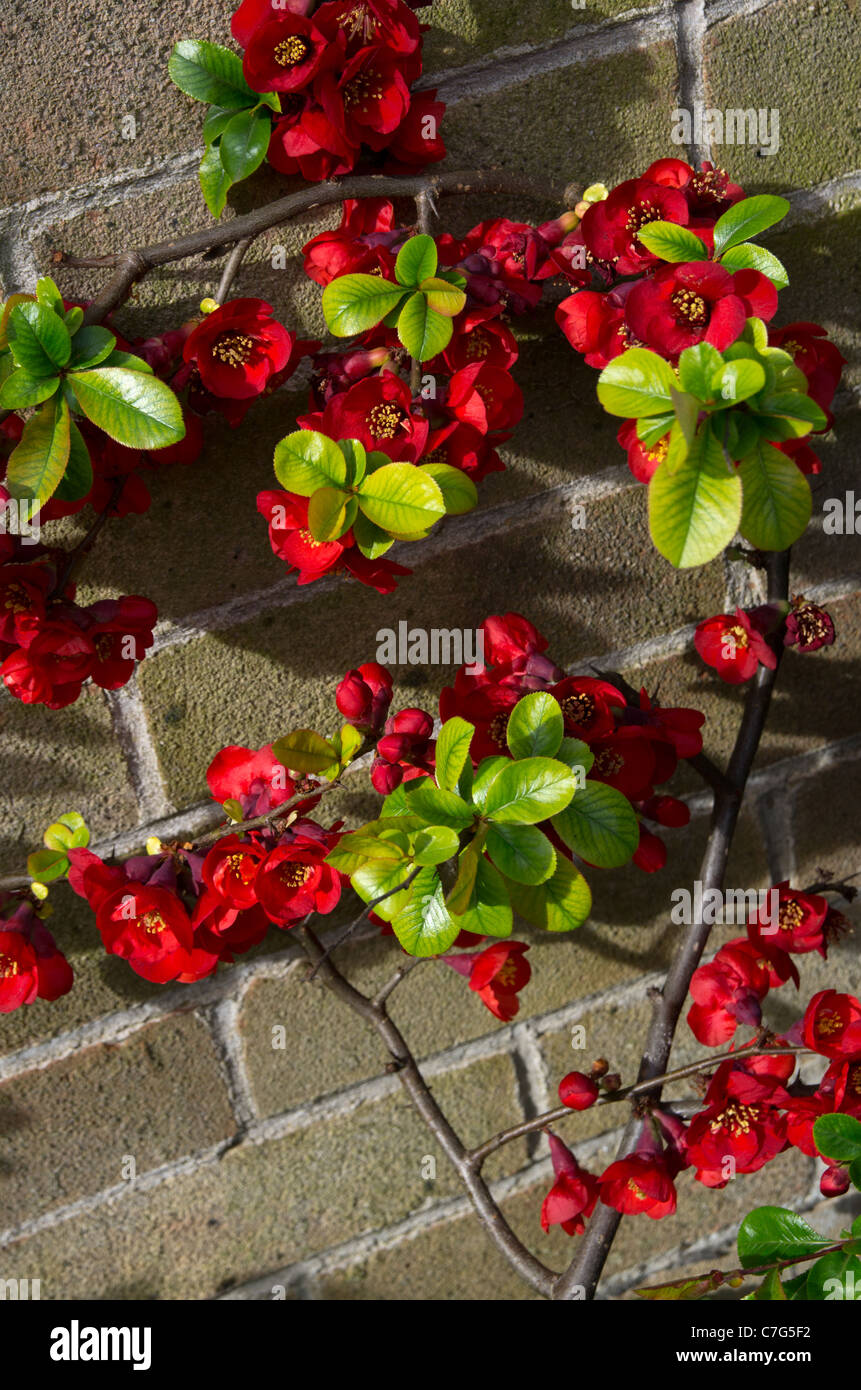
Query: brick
point(792, 56)
point(264, 1206)
point(66, 760)
point(68, 1129)
point(817, 557)
point(462, 30)
point(822, 260)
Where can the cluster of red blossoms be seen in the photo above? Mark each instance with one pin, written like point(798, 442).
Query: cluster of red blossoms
point(636, 744)
point(177, 913)
point(344, 76)
point(31, 966)
point(735, 644)
point(472, 403)
point(645, 302)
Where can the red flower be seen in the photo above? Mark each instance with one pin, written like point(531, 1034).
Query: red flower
point(238, 347)
point(377, 411)
point(358, 243)
point(808, 627)
point(293, 880)
point(485, 397)
point(387, 22)
point(416, 141)
point(286, 54)
point(820, 360)
point(727, 991)
point(587, 706)
point(708, 190)
point(24, 590)
point(696, 301)
point(639, 1183)
point(643, 459)
point(404, 752)
point(832, 1025)
point(573, 1195)
point(624, 759)
point(305, 141)
point(510, 639)
point(291, 540)
point(230, 869)
point(594, 324)
point(498, 974)
point(252, 13)
point(651, 853)
point(18, 973)
point(121, 633)
point(256, 779)
point(148, 927)
point(610, 227)
point(800, 922)
point(740, 1130)
point(369, 99)
point(490, 342)
point(732, 645)
point(364, 695)
point(578, 1091)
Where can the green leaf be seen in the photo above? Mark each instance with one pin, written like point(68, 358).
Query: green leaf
point(452, 751)
point(355, 303)
point(21, 390)
point(78, 477)
point(746, 256)
point(307, 460)
point(684, 1290)
point(484, 776)
point(91, 345)
point(45, 865)
point(521, 852)
point(215, 182)
point(736, 381)
point(417, 260)
point(38, 340)
point(490, 913)
point(244, 143)
point(132, 407)
point(574, 753)
point(445, 298)
point(356, 459)
point(208, 72)
point(672, 242)
point(74, 318)
point(528, 791)
point(768, 1234)
point(423, 925)
point(401, 499)
point(600, 826)
point(835, 1277)
point(561, 904)
point(382, 876)
point(128, 359)
point(694, 511)
point(771, 1290)
point(776, 500)
point(68, 831)
point(303, 750)
point(372, 540)
point(331, 513)
point(747, 219)
point(459, 492)
point(423, 331)
point(356, 850)
point(838, 1137)
point(217, 118)
point(639, 382)
point(39, 460)
point(48, 295)
point(535, 726)
point(698, 366)
point(437, 806)
point(800, 411)
point(461, 896)
point(434, 844)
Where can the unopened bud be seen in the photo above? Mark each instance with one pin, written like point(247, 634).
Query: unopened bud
point(209, 306)
point(600, 1067)
point(154, 845)
point(612, 1082)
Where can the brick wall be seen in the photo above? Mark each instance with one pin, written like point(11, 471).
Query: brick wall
point(304, 1168)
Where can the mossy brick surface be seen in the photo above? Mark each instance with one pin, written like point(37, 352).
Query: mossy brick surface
point(463, 31)
point(826, 829)
point(264, 1206)
point(72, 75)
point(822, 258)
point(69, 1130)
point(54, 761)
point(797, 57)
point(820, 556)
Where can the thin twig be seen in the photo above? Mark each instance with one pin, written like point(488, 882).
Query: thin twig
point(401, 973)
point(231, 268)
point(423, 225)
point(584, 1271)
point(357, 922)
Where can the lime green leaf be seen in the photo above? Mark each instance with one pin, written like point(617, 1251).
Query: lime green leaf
point(521, 852)
point(746, 256)
point(458, 490)
point(672, 242)
point(417, 259)
point(45, 865)
point(21, 390)
point(354, 851)
point(372, 540)
point(208, 72)
point(355, 303)
point(490, 913)
point(736, 381)
point(445, 298)
point(434, 844)
point(485, 774)
point(69, 831)
point(452, 751)
point(215, 182)
point(331, 513)
point(561, 904)
point(423, 925)
point(838, 1137)
point(303, 750)
point(401, 499)
point(747, 219)
point(244, 143)
point(776, 502)
point(132, 407)
point(535, 726)
point(78, 477)
point(436, 805)
point(382, 876)
point(38, 339)
point(600, 825)
point(528, 791)
point(800, 411)
point(768, 1234)
point(639, 382)
point(698, 366)
point(423, 331)
point(48, 295)
point(307, 460)
point(91, 345)
point(462, 894)
point(356, 459)
point(574, 753)
point(694, 511)
point(128, 359)
point(39, 460)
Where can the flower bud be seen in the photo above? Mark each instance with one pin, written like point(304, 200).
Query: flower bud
point(578, 1091)
point(834, 1181)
